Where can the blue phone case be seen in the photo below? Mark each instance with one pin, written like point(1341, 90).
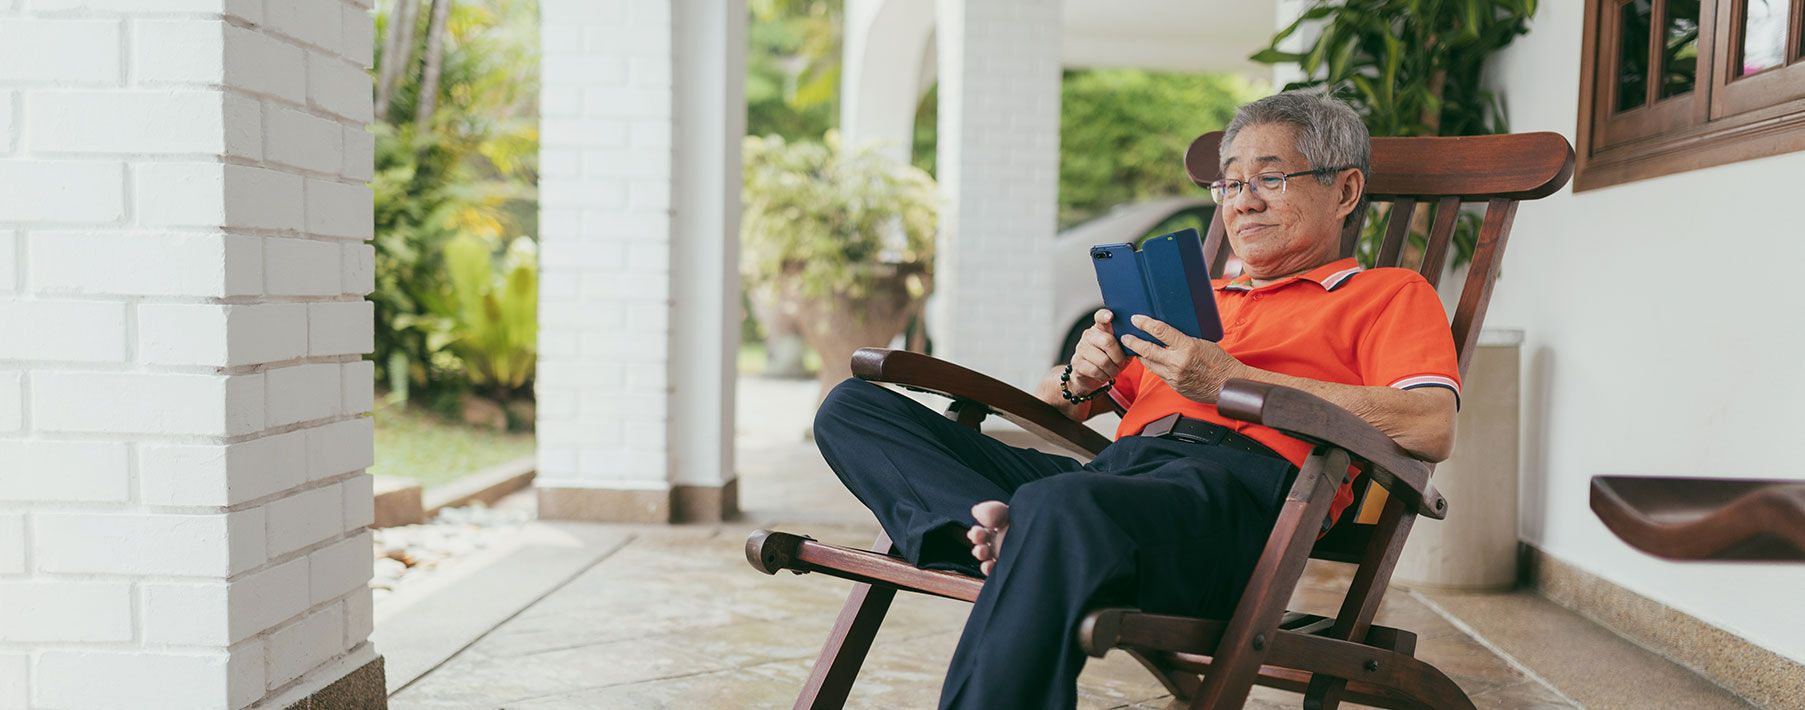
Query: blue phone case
point(1165, 279)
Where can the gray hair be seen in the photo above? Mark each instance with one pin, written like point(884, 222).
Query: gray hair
point(1329, 133)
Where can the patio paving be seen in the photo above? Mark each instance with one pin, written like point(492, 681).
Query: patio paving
point(616, 616)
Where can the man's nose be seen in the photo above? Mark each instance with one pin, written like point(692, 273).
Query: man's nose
point(1250, 200)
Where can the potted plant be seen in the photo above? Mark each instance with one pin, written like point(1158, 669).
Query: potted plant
point(842, 238)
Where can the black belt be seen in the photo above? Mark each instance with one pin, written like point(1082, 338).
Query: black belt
point(1197, 431)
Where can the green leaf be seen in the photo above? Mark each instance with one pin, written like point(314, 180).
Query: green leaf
point(1274, 56)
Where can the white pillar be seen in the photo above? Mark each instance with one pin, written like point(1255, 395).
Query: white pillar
point(884, 72)
point(999, 174)
point(643, 110)
point(184, 254)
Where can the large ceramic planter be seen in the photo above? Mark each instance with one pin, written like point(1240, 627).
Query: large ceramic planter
point(836, 325)
point(777, 316)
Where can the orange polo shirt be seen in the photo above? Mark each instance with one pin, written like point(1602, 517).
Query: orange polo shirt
point(1335, 323)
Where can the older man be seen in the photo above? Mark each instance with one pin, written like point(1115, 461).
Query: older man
point(1171, 517)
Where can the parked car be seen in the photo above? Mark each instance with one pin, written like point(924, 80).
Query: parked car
point(1076, 296)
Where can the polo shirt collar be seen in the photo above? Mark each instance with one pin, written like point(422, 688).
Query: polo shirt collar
point(1329, 276)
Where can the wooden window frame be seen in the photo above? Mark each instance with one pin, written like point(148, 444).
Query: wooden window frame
point(1725, 119)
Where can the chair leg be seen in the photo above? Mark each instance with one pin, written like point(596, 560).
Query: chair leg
point(838, 664)
point(1255, 623)
point(1365, 593)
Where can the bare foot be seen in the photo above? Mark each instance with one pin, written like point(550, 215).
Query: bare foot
point(987, 535)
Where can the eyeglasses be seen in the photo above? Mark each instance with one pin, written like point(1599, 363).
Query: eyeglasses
point(1225, 190)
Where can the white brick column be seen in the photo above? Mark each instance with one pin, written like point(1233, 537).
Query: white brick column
point(183, 259)
point(999, 174)
point(642, 113)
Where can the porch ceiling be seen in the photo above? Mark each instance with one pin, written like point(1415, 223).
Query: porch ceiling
point(1175, 35)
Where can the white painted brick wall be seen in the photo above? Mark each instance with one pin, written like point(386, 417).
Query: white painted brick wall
point(78, 331)
point(42, 469)
point(15, 668)
point(304, 519)
point(998, 175)
point(300, 393)
point(591, 95)
point(131, 402)
point(138, 679)
point(183, 406)
point(113, 121)
point(157, 263)
point(301, 267)
point(341, 328)
point(341, 568)
point(306, 643)
point(65, 611)
point(148, 543)
point(303, 140)
point(63, 191)
point(86, 51)
point(223, 474)
point(359, 381)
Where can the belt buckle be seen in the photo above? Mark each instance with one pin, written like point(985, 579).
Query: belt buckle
point(1161, 426)
point(1217, 436)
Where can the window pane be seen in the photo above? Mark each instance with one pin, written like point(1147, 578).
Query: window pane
point(1764, 25)
point(1632, 54)
point(1679, 55)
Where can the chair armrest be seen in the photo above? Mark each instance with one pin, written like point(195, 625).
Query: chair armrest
point(927, 374)
point(1314, 419)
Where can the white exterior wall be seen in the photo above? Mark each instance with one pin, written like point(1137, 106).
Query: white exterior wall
point(183, 259)
point(639, 227)
point(1663, 337)
point(999, 176)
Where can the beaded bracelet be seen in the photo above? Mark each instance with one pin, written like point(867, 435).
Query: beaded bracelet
point(1066, 391)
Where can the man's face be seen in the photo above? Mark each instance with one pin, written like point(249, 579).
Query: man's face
point(1274, 232)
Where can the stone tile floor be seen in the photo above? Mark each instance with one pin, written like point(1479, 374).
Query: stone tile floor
point(674, 618)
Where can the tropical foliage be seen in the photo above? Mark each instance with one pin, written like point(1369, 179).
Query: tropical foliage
point(793, 67)
point(456, 161)
point(1411, 68)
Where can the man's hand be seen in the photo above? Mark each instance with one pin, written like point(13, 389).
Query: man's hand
point(1098, 357)
point(1192, 367)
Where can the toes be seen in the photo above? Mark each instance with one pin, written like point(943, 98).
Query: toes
point(991, 513)
point(987, 567)
point(979, 535)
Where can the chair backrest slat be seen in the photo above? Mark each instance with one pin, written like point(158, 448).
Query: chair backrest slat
point(1447, 212)
point(1477, 293)
point(1397, 227)
point(1215, 244)
point(1444, 171)
point(1350, 233)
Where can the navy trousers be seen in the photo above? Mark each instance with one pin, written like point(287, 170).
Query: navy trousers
point(1165, 526)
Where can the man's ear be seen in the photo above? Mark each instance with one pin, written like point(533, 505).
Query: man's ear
point(1352, 186)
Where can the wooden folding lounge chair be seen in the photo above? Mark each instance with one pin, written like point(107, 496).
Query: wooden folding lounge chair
point(1213, 663)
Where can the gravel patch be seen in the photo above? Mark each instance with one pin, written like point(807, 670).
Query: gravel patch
point(408, 553)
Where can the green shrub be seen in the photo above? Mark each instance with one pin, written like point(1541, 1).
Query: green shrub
point(465, 170)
